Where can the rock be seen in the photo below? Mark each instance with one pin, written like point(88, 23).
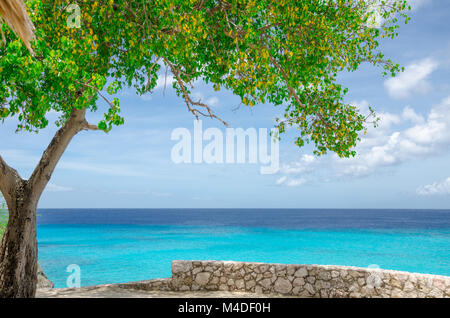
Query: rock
point(321, 284)
point(301, 272)
point(240, 284)
point(324, 275)
point(439, 283)
point(436, 294)
point(298, 282)
point(323, 294)
point(334, 274)
point(409, 287)
point(290, 270)
point(258, 290)
point(42, 279)
point(265, 283)
point(311, 279)
point(181, 267)
point(209, 269)
point(282, 285)
point(202, 278)
point(397, 293)
point(310, 288)
point(396, 283)
point(250, 284)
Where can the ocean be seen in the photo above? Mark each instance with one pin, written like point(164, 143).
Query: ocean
point(122, 245)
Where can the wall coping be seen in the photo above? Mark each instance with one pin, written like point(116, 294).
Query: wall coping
point(330, 267)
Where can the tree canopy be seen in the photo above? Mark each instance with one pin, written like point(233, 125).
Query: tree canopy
point(284, 52)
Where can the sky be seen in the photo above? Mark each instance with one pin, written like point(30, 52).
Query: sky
point(403, 163)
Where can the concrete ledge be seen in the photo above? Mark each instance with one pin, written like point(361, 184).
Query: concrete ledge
point(161, 284)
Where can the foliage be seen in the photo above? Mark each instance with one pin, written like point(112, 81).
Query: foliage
point(3, 217)
point(284, 52)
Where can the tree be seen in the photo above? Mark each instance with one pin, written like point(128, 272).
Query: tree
point(284, 52)
point(15, 15)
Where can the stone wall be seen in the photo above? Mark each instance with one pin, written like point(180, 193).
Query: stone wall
point(303, 280)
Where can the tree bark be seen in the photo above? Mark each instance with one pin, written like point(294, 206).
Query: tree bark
point(18, 258)
point(18, 251)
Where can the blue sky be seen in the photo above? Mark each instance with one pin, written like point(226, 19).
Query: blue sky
point(404, 163)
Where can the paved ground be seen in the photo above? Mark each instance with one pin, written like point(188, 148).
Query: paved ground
point(117, 292)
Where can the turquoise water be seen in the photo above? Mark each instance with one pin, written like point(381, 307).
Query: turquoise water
point(112, 253)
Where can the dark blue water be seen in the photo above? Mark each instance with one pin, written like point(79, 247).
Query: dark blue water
point(271, 218)
point(112, 246)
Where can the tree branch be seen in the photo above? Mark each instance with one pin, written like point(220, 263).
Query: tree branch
point(43, 171)
point(192, 105)
point(8, 179)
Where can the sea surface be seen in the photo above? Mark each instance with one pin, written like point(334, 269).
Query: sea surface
point(122, 245)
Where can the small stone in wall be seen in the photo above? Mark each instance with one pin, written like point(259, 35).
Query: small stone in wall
point(250, 284)
point(298, 282)
point(324, 275)
point(181, 266)
point(311, 279)
point(240, 284)
point(265, 283)
point(282, 285)
point(202, 278)
point(310, 288)
point(301, 272)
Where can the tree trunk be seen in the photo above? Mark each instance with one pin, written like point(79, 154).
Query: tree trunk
point(18, 253)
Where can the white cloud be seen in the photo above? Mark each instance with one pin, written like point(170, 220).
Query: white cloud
point(198, 96)
point(281, 180)
point(293, 169)
point(411, 115)
point(56, 188)
point(413, 79)
point(144, 192)
point(436, 188)
point(213, 101)
point(164, 81)
point(387, 146)
point(400, 137)
point(291, 182)
point(296, 182)
point(297, 167)
point(105, 169)
point(415, 4)
point(376, 20)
